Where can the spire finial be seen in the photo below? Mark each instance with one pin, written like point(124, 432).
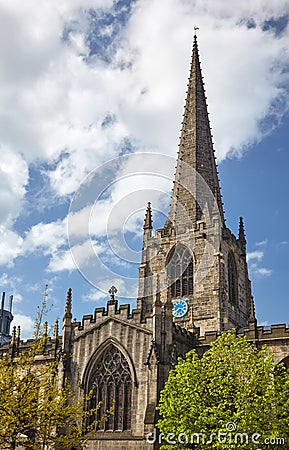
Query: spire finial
point(195, 35)
point(148, 223)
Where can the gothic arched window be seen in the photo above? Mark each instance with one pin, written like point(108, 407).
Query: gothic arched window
point(113, 388)
point(180, 271)
point(233, 279)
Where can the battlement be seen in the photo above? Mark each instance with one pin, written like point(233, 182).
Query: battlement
point(260, 335)
point(123, 312)
point(263, 333)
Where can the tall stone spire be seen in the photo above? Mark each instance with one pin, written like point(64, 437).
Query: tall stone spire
point(196, 151)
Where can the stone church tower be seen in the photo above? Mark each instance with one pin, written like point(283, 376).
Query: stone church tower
point(193, 284)
point(195, 258)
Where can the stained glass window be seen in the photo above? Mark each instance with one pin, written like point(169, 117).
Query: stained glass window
point(113, 388)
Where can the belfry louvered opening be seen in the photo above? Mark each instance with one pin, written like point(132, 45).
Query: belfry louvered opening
point(180, 270)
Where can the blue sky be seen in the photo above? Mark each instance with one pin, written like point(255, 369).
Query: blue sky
point(86, 81)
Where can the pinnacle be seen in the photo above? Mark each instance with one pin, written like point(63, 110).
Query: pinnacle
point(252, 316)
point(68, 305)
point(148, 218)
point(242, 236)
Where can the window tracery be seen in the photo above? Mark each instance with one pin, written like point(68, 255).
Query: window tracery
point(113, 388)
point(180, 272)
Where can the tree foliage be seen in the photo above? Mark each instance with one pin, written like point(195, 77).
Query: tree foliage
point(234, 391)
point(38, 409)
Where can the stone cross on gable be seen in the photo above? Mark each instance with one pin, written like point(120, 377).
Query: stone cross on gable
point(112, 291)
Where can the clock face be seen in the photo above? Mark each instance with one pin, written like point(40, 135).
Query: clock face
point(180, 307)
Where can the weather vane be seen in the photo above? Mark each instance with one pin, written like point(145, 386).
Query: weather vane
point(196, 28)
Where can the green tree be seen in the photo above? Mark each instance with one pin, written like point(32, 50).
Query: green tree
point(37, 408)
point(234, 397)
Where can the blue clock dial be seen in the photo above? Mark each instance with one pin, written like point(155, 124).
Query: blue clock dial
point(180, 307)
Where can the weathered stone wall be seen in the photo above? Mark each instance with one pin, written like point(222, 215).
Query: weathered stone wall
point(210, 306)
point(234, 316)
point(133, 336)
point(124, 443)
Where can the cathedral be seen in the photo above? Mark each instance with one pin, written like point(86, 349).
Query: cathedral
point(193, 284)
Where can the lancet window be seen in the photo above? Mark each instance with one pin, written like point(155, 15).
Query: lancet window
point(180, 272)
point(233, 279)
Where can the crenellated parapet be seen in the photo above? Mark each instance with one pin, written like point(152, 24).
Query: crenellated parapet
point(275, 338)
point(112, 310)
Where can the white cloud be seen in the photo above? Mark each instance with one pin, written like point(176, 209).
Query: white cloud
point(78, 255)
point(10, 246)
point(13, 180)
point(26, 324)
point(261, 243)
point(255, 259)
point(45, 237)
point(263, 271)
point(255, 255)
point(259, 271)
point(97, 295)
